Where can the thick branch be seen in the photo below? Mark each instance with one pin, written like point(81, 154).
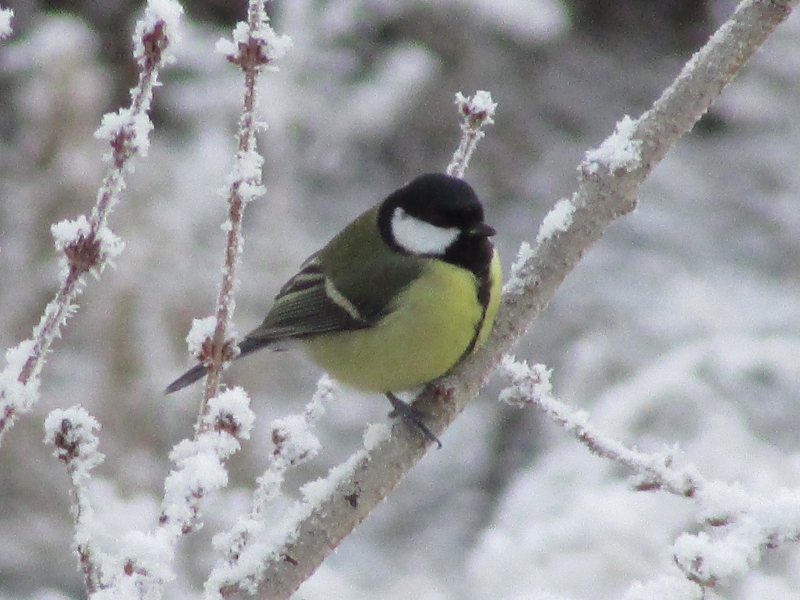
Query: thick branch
point(607, 189)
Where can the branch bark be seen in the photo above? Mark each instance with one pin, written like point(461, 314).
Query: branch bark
point(607, 190)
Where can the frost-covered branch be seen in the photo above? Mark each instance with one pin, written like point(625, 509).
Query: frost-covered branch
point(87, 245)
point(72, 432)
point(143, 562)
point(607, 189)
point(531, 386)
point(200, 462)
point(476, 112)
point(253, 539)
point(255, 46)
point(737, 526)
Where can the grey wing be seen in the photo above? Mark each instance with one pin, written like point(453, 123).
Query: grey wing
point(309, 304)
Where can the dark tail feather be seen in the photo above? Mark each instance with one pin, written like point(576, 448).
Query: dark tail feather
point(251, 344)
point(247, 346)
point(188, 378)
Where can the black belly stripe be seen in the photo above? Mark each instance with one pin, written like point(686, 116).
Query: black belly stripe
point(484, 296)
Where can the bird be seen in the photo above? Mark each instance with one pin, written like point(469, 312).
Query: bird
point(396, 299)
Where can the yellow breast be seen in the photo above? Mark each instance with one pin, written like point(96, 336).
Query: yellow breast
point(421, 340)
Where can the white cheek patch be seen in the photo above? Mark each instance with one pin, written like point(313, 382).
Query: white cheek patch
point(419, 237)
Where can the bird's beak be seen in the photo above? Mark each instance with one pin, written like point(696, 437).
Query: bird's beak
point(483, 229)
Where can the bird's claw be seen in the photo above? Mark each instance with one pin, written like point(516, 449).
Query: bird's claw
point(413, 417)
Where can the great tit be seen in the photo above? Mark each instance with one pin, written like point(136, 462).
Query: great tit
point(396, 299)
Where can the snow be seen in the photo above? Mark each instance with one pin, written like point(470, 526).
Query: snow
point(527, 21)
point(375, 434)
point(273, 46)
point(678, 332)
point(557, 220)
point(133, 126)
point(246, 174)
point(6, 14)
point(326, 391)
point(294, 439)
point(232, 406)
point(481, 103)
point(200, 332)
point(71, 232)
point(527, 382)
point(73, 432)
point(618, 151)
point(675, 587)
point(167, 13)
point(276, 45)
point(16, 395)
point(319, 490)
point(516, 279)
point(200, 462)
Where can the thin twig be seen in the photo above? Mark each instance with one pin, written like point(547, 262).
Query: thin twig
point(476, 112)
point(531, 386)
point(243, 549)
point(86, 245)
point(72, 433)
point(255, 45)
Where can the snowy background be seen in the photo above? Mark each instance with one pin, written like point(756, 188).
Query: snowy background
point(680, 327)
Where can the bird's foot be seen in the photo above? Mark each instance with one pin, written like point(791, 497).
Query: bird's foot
point(412, 417)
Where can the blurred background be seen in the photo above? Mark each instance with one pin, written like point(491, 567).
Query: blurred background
point(681, 327)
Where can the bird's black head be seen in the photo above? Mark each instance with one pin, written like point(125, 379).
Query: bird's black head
point(437, 216)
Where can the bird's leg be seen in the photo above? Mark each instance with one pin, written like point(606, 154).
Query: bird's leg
point(412, 417)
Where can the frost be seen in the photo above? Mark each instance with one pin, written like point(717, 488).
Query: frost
point(226, 47)
point(246, 176)
point(317, 491)
point(557, 220)
point(200, 462)
point(480, 104)
point(15, 394)
point(232, 408)
point(277, 45)
point(294, 441)
point(253, 540)
point(529, 21)
point(111, 245)
point(516, 280)
point(72, 431)
point(746, 525)
point(247, 167)
point(527, 382)
point(375, 434)
point(166, 13)
point(327, 388)
point(665, 588)
point(128, 125)
point(200, 332)
point(476, 113)
point(68, 232)
point(149, 552)
point(273, 46)
point(618, 151)
point(711, 560)
point(6, 14)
